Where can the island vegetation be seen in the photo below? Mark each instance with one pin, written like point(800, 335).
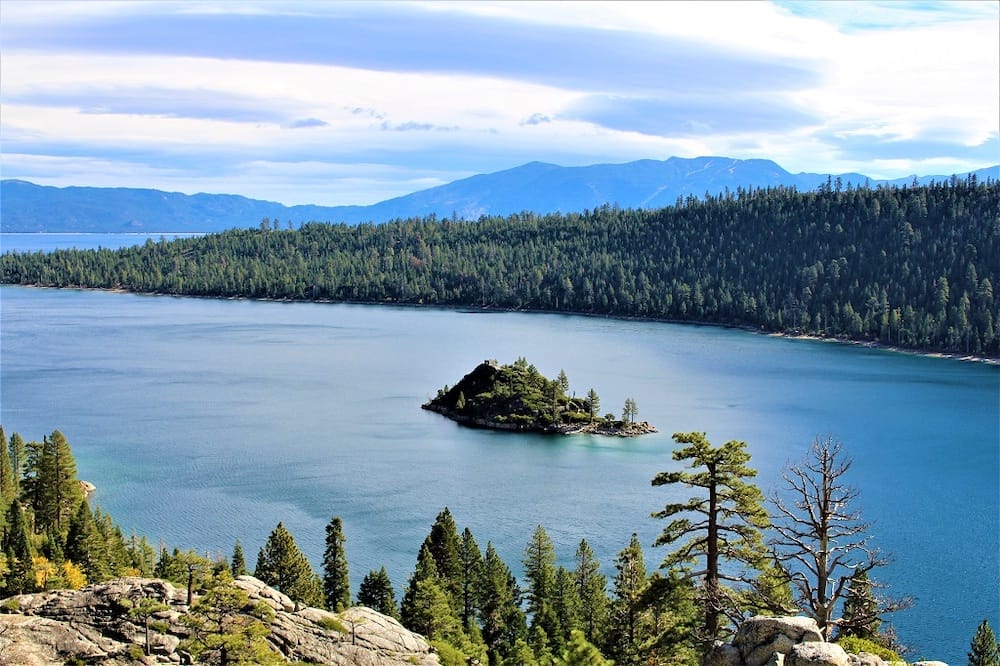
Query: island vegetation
point(725, 561)
point(517, 397)
point(911, 267)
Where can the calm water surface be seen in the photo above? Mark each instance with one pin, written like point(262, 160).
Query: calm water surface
point(46, 242)
point(204, 421)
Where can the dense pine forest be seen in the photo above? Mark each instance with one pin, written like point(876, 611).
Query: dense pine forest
point(912, 267)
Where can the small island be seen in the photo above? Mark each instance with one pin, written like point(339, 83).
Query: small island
point(519, 398)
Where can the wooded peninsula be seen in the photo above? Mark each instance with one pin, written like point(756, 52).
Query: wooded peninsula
point(911, 267)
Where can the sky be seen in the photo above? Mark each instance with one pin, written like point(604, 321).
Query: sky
point(339, 103)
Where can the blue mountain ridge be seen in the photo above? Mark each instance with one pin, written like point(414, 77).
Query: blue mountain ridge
point(535, 186)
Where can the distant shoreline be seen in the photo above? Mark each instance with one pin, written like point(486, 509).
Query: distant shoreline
point(870, 344)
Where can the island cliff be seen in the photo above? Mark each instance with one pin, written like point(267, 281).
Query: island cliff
point(519, 398)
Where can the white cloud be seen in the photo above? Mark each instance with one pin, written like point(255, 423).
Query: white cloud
point(923, 84)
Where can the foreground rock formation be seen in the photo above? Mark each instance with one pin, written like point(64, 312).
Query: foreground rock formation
point(788, 641)
point(93, 626)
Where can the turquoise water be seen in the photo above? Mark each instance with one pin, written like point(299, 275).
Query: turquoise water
point(203, 421)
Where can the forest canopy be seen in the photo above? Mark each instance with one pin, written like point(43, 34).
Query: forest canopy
point(913, 267)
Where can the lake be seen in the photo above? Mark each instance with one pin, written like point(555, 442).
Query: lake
point(203, 421)
point(47, 242)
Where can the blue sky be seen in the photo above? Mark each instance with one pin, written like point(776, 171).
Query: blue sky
point(352, 103)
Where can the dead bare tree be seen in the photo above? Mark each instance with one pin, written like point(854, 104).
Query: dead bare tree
point(821, 541)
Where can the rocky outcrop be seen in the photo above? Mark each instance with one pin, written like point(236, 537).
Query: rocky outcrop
point(787, 641)
point(94, 625)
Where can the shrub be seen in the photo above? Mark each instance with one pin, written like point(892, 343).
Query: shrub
point(855, 645)
point(333, 624)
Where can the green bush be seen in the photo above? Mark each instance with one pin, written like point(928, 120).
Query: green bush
point(854, 645)
point(448, 654)
point(333, 624)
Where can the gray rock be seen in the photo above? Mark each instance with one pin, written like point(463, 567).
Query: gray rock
point(93, 624)
point(724, 655)
point(817, 654)
point(760, 637)
point(866, 659)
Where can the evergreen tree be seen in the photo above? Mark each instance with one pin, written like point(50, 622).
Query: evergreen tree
point(52, 488)
point(238, 566)
point(471, 559)
point(591, 589)
point(8, 482)
point(85, 546)
point(284, 567)
point(565, 606)
point(499, 611)
point(20, 575)
point(445, 547)
point(227, 629)
point(18, 457)
point(593, 404)
point(426, 570)
point(376, 593)
point(336, 581)
point(729, 520)
point(861, 609)
point(539, 570)
point(627, 628)
point(581, 652)
point(984, 650)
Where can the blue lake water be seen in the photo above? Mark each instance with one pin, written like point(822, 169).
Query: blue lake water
point(203, 421)
point(46, 242)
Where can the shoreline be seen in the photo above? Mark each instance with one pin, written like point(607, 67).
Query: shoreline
point(870, 344)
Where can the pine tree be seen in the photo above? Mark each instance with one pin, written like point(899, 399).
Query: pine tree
point(426, 570)
point(581, 652)
point(20, 575)
point(336, 580)
point(539, 570)
point(984, 650)
point(238, 566)
point(376, 593)
point(861, 608)
point(18, 456)
point(471, 559)
point(565, 606)
point(51, 486)
point(593, 404)
point(627, 627)
point(445, 547)
point(284, 567)
point(729, 519)
point(85, 546)
point(499, 611)
point(8, 482)
point(591, 588)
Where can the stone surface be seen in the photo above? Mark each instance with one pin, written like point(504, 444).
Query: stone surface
point(724, 655)
point(817, 654)
point(760, 637)
point(94, 624)
point(866, 659)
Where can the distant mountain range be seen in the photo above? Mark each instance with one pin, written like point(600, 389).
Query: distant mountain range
point(536, 186)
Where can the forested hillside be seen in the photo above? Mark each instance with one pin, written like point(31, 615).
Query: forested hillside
point(912, 266)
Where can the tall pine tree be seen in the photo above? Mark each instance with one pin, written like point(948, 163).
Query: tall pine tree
point(336, 580)
point(984, 650)
point(728, 519)
point(284, 567)
point(376, 593)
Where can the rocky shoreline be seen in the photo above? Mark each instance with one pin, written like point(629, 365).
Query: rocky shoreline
point(618, 429)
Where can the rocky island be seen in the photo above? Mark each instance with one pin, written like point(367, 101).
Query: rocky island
point(519, 398)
